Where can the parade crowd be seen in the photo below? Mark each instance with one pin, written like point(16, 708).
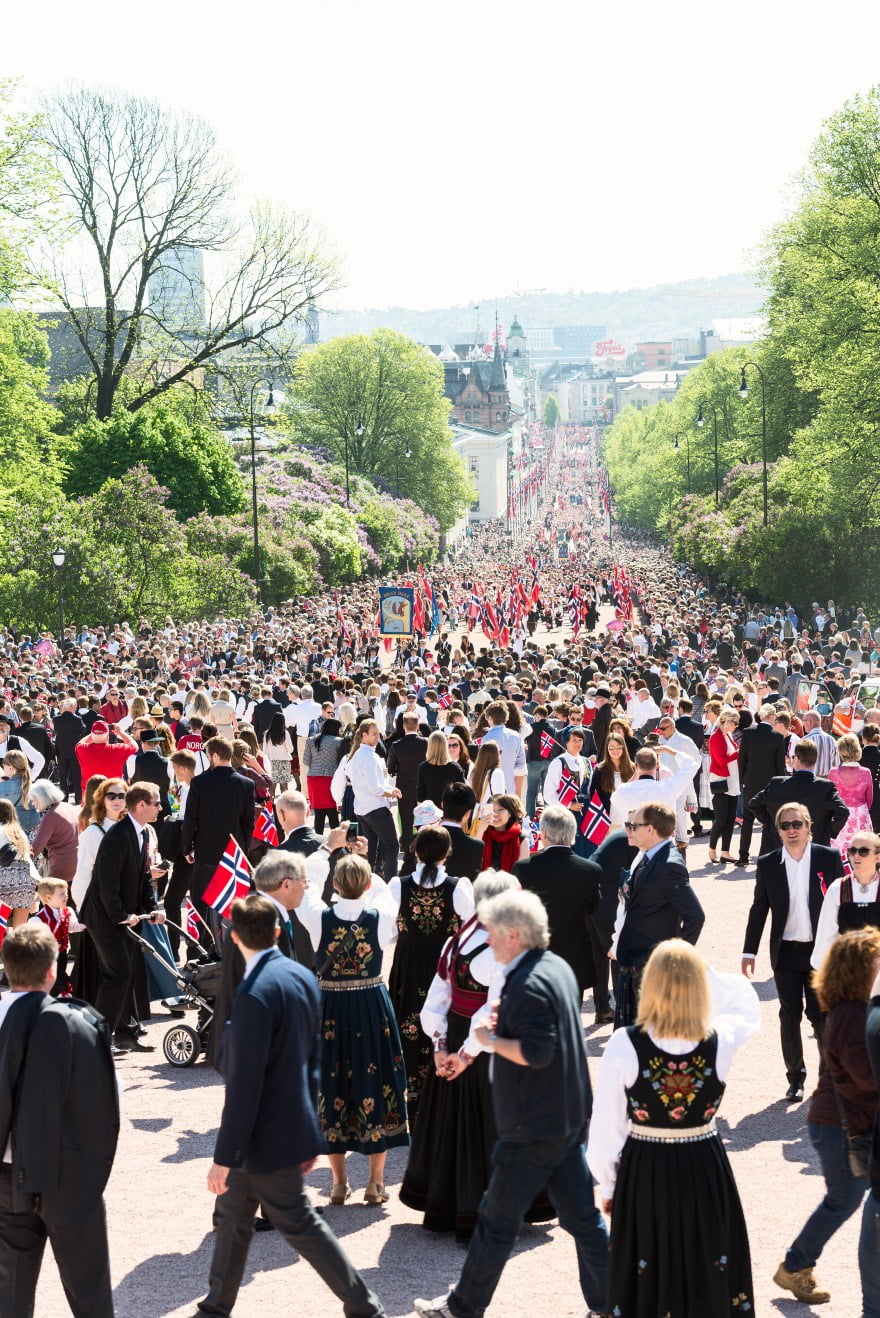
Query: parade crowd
point(499, 808)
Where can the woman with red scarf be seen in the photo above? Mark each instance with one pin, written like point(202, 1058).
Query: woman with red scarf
point(503, 841)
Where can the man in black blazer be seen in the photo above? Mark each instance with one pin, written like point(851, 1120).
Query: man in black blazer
point(292, 807)
point(264, 711)
point(827, 811)
point(614, 856)
point(657, 902)
point(568, 886)
point(59, 1108)
point(542, 1102)
point(220, 803)
point(269, 1132)
point(404, 757)
point(69, 729)
point(790, 886)
point(761, 758)
point(120, 891)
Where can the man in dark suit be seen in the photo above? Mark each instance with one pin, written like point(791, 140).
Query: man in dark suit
point(120, 891)
point(292, 807)
point(614, 855)
point(404, 757)
point(658, 902)
point(269, 1132)
point(827, 811)
point(219, 804)
point(69, 729)
point(568, 886)
point(264, 711)
point(542, 1101)
point(59, 1108)
point(601, 723)
point(790, 886)
point(761, 757)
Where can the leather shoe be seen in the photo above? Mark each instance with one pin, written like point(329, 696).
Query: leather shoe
point(802, 1284)
point(131, 1044)
point(263, 1224)
point(604, 1017)
point(794, 1093)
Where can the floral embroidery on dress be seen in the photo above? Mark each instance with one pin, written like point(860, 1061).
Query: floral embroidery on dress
point(676, 1083)
point(355, 961)
point(426, 909)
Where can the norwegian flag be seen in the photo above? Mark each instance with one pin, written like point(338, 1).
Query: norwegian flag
point(445, 700)
point(534, 834)
point(232, 879)
point(5, 913)
point(595, 821)
point(568, 788)
point(547, 744)
point(265, 829)
point(191, 920)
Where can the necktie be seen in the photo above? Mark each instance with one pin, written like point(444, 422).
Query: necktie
point(145, 854)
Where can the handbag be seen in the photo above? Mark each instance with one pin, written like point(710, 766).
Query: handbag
point(858, 1147)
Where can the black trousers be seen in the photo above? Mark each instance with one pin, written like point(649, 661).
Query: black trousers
point(724, 812)
point(69, 776)
point(118, 956)
point(406, 805)
point(80, 1252)
point(378, 828)
point(746, 830)
point(287, 1207)
point(793, 975)
point(178, 886)
point(602, 969)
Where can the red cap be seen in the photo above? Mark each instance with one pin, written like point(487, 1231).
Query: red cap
point(100, 726)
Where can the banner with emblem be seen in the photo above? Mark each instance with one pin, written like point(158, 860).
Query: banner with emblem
point(396, 608)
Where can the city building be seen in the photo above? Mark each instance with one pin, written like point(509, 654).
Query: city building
point(176, 292)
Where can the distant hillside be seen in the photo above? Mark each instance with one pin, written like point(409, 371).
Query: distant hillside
point(665, 311)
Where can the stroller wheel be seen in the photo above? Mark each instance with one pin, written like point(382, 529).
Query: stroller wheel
point(181, 1045)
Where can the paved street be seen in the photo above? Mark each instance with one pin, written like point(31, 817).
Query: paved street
point(160, 1213)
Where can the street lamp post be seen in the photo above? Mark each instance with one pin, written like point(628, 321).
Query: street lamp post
point(677, 446)
point(744, 393)
point(59, 558)
point(700, 423)
point(407, 455)
point(270, 403)
point(359, 430)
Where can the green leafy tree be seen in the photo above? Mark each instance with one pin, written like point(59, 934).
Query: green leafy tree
point(370, 398)
point(552, 413)
point(26, 419)
point(189, 457)
point(27, 188)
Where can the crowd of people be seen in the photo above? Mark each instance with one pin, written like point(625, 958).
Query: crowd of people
point(504, 806)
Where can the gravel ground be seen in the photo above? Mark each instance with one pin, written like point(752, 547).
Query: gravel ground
point(160, 1212)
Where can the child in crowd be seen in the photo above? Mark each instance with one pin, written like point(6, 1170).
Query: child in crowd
point(56, 914)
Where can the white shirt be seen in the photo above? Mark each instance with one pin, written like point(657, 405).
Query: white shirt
point(366, 773)
point(798, 926)
point(735, 1015)
point(826, 930)
point(302, 716)
point(576, 765)
point(377, 898)
point(435, 1011)
point(635, 793)
point(89, 841)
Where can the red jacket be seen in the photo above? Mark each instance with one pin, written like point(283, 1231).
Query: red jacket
point(720, 757)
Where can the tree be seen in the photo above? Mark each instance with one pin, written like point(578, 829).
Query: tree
point(552, 411)
point(26, 419)
point(370, 398)
point(187, 455)
point(148, 196)
point(26, 188)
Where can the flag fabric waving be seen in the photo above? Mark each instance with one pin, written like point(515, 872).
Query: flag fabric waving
point(547, 744)
point(191, 920)
point(265, 829)
point(5, 913)
point(568, 788)
point(232, 879)
point(595, 821)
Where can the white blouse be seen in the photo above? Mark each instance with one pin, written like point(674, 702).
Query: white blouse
point(435, 1011)
point(376, 898)
point(735, 1016)
point(89, 841)
point(826, 930)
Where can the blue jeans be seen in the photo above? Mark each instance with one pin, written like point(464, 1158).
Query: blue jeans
point(843, 1194)
point(519, 1173)
point(536, 772)
point(869, 1257)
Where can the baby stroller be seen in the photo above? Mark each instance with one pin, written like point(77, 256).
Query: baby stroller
point(197, 983)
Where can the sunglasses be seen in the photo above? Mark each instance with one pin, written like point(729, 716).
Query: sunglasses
point(632, 825)
point(114, 796)
point(860, 851)
point(785, 824)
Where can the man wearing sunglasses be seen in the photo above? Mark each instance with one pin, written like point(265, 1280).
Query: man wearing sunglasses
point(790, 886)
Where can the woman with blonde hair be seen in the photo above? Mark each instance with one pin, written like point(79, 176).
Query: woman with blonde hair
point(437, 770)
point(856, 787)
point(678, 1236)
point(15, 786)
point(18, 874)
point(487, 779)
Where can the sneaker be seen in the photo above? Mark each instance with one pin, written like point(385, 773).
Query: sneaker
point(434, 1308)
point(802, 1285)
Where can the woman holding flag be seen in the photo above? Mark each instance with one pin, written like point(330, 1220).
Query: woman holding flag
point(609, 773)
point(567, 779)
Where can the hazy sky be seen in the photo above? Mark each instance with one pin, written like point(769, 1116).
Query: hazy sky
point(457, 152)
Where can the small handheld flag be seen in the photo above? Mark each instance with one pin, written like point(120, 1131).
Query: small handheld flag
point(568, 788)
point(5, 913)
point(265, 829)
point(232, 879)
point(547, 744)
point(595, 821)
point(191, 920)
